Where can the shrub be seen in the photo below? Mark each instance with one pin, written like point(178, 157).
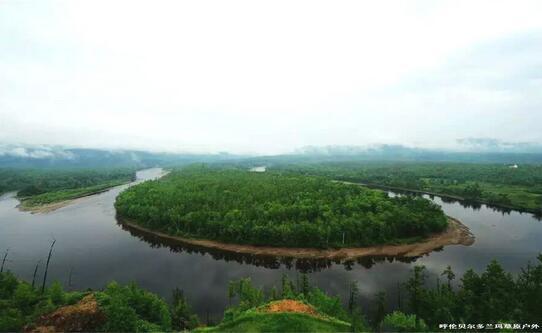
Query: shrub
point(397, 321)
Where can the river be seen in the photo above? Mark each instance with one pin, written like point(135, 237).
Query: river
point(96, 249)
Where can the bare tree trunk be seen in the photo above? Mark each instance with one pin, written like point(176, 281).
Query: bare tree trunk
point(4, 261)
point(35, 272)
point(47, 266)
point(70, 277)
point(399, 296)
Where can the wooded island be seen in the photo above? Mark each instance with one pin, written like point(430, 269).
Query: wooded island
point(276, 209)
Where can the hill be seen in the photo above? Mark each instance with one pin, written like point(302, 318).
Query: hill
point(285, 315)
point(53, 157)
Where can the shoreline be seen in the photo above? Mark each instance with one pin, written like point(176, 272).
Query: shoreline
point(443, 195)
point(455, 234)
point(50, 207)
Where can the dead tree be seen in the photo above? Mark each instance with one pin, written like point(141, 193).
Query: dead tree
point(35, 272)
point(47, 266)
point(70, 277)
point(4, 260)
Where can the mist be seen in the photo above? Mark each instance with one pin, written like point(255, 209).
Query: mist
point(270, 78)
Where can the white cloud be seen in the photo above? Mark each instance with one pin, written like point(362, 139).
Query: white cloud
point(266, 77)
point(37, 152)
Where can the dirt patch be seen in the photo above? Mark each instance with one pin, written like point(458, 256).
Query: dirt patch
point(84, 316)
point(455, 234)
point(289, 305)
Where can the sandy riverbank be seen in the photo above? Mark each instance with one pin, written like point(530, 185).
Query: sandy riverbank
point(455, 234)
point(50, 207)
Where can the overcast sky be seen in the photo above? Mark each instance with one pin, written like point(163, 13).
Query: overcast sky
point(269, 76)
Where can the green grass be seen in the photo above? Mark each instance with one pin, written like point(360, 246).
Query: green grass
point(61, 195)
point(253, 321)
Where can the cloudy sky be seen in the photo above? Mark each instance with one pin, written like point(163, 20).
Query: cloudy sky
point(269, 77)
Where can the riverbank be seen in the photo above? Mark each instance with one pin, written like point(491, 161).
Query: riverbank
point(25, 206)
point(455, 234)
point(48, 202)
point(520, 209)
point(51, 201)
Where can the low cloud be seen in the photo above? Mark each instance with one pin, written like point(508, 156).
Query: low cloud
point(41, 152)
point(496, 145)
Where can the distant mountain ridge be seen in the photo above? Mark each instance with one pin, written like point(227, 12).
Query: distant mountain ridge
point(58, 157)
point(13, 156)
point(384, 152)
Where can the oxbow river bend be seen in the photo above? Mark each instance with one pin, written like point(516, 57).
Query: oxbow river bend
point(97, 249)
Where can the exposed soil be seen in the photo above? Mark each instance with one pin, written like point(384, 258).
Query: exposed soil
point(455, 234)
point(85, 316)
point(289, 305)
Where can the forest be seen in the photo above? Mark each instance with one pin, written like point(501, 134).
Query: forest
point(41, 186)
point(508, 186)
point(274, 209)
point(494, 298)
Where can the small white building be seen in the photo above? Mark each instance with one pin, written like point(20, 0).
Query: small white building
point(262, 168)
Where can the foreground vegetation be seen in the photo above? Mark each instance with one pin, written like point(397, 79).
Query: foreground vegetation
point(495, 184)
point(117, 308)
point(493, 297)
point(272, 209)
point(255, 321)
point(38, 187)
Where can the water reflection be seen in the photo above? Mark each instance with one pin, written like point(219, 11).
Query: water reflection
point(91, 244)
point(259, 260)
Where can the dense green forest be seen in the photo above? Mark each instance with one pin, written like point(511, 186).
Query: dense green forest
point(496, 184)
point(275, 209)
point(36, 187)
point(492, 298)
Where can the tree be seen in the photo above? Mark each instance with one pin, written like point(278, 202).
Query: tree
point(498, 295)
point(472, 191)
point(4, 261)
point(400, 322)
point(181, 314)
point(379, 311)
point(414, 287)
point(305, 285)
point(529, 288)
point(287, 287)
point(47, 265)
point(353, 297)
point(449, 274)
point(274, 293)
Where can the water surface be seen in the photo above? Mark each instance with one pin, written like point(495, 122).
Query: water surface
point(97, 249)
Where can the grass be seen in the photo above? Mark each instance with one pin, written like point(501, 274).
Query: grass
point(62, 195)
point(253, 321)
